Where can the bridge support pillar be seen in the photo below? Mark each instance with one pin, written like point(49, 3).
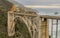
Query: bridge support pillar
point(44, 29)
point(11, 25)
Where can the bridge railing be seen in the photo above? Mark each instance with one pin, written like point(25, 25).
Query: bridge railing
point(52, 26)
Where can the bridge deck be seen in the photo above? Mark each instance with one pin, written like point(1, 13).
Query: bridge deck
point(50, 17)
point(42, 16)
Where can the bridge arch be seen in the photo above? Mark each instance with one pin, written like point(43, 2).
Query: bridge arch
point(21, 29)
point(31, 28)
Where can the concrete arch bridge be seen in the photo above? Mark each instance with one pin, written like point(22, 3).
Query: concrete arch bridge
point(38, 25)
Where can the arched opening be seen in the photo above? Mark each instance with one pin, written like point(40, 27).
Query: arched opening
point(21, 29)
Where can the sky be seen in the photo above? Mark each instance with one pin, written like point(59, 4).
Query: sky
point(39, 2)
point(45, 6)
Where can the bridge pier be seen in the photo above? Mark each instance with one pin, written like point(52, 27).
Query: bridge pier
point(11, 25)
point(44, 29)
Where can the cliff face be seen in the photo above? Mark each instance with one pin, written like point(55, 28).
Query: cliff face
point(5, 5)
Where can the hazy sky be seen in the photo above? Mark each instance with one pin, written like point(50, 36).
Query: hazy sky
point(39, 2)
point(43, 6)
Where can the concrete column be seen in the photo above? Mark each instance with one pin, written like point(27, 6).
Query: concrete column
point(11, 25)
point(39, 28)
point(44, 30)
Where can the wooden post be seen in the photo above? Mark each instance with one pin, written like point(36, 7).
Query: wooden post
point(44, 32)
point(11, 25)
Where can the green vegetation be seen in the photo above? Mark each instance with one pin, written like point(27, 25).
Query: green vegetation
point(22, 30)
